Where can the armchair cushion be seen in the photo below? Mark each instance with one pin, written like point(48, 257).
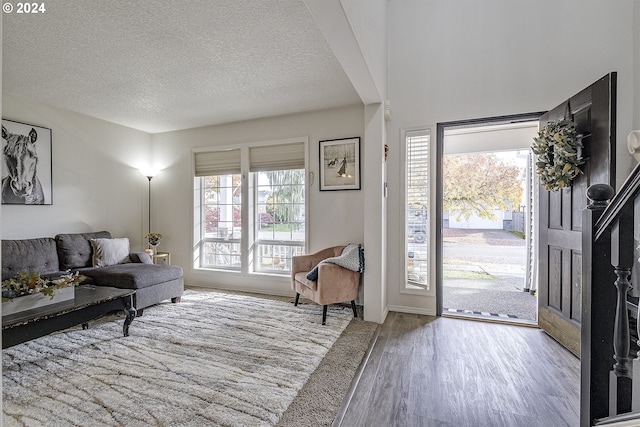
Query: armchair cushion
point(302, 278)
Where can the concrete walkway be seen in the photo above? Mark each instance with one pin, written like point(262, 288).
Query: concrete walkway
point(484, 273)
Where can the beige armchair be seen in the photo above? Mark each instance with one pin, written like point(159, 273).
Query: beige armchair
point(335, 284)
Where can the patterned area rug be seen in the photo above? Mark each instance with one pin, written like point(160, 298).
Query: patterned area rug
point(213, 359)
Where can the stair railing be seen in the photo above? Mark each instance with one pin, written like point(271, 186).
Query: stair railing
point(610, 376)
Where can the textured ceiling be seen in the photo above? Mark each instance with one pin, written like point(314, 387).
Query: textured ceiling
point(158, 65)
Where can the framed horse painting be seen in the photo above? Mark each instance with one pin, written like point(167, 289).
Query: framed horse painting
point(27, 164)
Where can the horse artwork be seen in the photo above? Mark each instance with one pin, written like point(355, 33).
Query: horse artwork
point(21, 185)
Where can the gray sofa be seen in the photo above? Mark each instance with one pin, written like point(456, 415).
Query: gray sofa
point(52, 257)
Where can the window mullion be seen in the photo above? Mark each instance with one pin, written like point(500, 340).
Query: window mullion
point(247, 212)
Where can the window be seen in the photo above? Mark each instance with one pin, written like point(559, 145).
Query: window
point(417, 209)
point(280, 225)
point(253, 225)
point(222, 221)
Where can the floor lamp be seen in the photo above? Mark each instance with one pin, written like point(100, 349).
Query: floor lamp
point(149, 174)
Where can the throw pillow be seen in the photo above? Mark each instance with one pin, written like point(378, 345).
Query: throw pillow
point(110, 251)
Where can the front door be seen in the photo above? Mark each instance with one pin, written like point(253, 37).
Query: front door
point(560, 212)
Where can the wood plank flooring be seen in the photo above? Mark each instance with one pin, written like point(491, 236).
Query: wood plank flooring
point(428, 371)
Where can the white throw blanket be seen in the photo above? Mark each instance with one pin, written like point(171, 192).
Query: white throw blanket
point(352, 258)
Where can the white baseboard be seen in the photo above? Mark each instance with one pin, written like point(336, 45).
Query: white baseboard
point(412, 310)
point(247, 289)
point(629, 423)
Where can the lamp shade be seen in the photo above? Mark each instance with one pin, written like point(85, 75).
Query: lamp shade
point(148, 172)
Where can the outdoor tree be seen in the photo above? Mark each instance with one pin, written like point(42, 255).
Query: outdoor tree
point(476, 184)
point(214, 190)
point(284, 192)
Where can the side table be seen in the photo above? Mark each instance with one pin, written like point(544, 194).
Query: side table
point(162, 258)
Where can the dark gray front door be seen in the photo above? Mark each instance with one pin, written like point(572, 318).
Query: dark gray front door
point(560, 213)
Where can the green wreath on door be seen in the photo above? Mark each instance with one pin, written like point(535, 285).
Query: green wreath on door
point(558, 151)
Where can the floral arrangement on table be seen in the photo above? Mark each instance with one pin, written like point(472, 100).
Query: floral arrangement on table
point(557, 148)
point(153, 238)
point(31, 283)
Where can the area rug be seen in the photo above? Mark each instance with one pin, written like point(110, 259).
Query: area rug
point(213, 359)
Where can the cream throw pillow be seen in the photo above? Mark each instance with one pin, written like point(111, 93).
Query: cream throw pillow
point(110, 251)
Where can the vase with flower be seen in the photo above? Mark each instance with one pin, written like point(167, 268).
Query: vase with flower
point(154, 241)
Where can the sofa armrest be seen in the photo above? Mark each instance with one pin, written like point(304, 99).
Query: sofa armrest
point(140, 257)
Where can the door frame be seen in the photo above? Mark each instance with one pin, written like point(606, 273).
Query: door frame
point(440, 130)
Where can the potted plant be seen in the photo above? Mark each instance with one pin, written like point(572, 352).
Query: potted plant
point(154, 241)
point(29, 290)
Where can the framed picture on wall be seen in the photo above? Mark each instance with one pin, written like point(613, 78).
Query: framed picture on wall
point(340, 164)
point(27, 168)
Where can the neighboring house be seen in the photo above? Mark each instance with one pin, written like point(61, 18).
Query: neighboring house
point(476, 222)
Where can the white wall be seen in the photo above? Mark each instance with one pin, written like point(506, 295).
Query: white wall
point(96, 184)
point(368, 20)
point(335, 217)
point(468, 59)
point(368, 23)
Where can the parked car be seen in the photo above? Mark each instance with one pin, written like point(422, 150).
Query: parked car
point(417, 228)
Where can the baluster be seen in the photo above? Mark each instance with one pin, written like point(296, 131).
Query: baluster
point(635, 394)
point(621, 337)
point(622, 260)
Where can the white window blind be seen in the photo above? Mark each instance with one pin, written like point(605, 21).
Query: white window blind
point(276, 157)
point(225, 162)
point(417, 166)
point(417, 220)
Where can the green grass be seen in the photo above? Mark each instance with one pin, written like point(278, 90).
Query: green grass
point(464, 274)
point(454, 261)
point(280, 227)
point(520, 234)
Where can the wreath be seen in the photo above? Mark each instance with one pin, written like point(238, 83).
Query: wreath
point(557, 148)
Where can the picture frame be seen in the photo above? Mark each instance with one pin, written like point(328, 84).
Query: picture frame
point(28, 146)
point(340, 164)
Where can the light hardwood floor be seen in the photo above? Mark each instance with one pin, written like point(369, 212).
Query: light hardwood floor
point(428, 371)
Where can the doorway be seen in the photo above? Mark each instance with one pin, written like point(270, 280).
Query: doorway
point(485, 235)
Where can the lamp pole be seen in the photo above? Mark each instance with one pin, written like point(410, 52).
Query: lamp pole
point(149, 173)
point(149, 177)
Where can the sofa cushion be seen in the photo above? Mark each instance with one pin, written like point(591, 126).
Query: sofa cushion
point(30, 255)
point(142, 257)
point(109, 251)
point(74, 250)
point(133, 275)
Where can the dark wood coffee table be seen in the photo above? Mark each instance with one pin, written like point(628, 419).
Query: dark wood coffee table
point(90, 302)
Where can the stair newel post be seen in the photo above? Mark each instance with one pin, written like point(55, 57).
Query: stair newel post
point(598, 310)
point(621, 260)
